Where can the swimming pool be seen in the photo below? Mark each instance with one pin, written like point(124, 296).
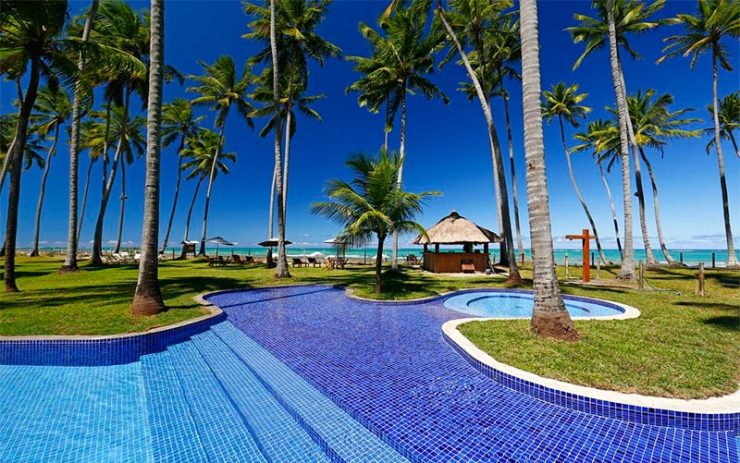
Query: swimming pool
point(515, 304)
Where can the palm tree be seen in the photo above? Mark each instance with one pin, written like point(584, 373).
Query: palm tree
point(564, 102)
point(52, 109)
point(177, 122)
point(32, 39)
point(70, 260)
point(602, 139)
point(204, 158)
point(494, 39)
point(148, 297)
point(372, 204)
point(706, 31)
point(294, 99)
point(616, 19)
point(729, 120)
point(549, 316)
point(133, 149)
point(221, 88)
point(403, 54)
point(484, 100)
point(95, 138)
point(654, 125)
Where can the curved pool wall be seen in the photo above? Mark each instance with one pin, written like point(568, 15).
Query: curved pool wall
point(502, 303)
point(99, 350)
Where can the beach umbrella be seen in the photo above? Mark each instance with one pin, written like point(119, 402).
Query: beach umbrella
point(219, 241)
point(341, 244)
point(272, 242)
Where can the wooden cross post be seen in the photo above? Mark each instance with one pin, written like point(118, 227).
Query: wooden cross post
point(585, 238)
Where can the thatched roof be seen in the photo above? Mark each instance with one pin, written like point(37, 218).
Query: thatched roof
point(456, 229)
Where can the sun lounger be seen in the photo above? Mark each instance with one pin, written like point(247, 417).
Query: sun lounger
point(298, 262)
point(412, 260)
point(249, 259)
point(312, 261)
point(216, 261)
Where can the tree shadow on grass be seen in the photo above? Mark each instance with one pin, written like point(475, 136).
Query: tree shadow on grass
point(725, 322)
point(709, 305)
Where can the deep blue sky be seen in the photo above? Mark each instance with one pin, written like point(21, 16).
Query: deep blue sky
point(446, 146)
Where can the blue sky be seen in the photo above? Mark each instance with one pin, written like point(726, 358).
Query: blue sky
point(446, 145)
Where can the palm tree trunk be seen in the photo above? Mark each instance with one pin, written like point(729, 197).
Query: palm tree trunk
point(510, 140)
point(627, 270)
point(514, 276)
point(211, 177)
point(270, 226)
point(287, 159)
point(649, 255)
point(70, 261)
point(190, 214)
point(379, 266)
point(578, 191)
point(42, 192)
point(122, 210)
point(84, 200)
point(614, 210)
point(731, 257)
point(656, 208)
point(282, 264)
point(148, 297)
point(14, 189)
point(504, 257)
point(549, 316)
point(177, 195)
point(399, 181)
point(96, 258)
point(734, 143)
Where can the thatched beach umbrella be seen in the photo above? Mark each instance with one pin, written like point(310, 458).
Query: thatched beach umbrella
point(219, 241)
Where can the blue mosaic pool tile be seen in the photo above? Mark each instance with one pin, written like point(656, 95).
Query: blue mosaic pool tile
point(346, 438)
point(174, 434)
point(221, 427)
point(391, 369)
point(278, 435)
point(73, 414)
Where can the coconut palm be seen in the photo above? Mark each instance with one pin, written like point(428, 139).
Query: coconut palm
point(52, 109)
point(729, 120)
point(204, 158)
point(134, 147)
point(493, 37)
point(564, 103)
point(93, 143)
point(403, 54)
point(148, 297)
point(707, 31)
point(549, 316)
point(222, 88)
point(654, 126)
point(602, 139)
point(615, 20)
point(178, 122)
point(484, 100)
point(372, 204)
point(294, 99)
point(32, 39)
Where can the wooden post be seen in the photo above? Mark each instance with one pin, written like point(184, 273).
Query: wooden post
point(641, 276)
point(700, 282)
point(680, 254)
point(585, 238)
point(567, 275)
point(714, 260)
point(522, 258)
point(436, 248)
point(598, 269)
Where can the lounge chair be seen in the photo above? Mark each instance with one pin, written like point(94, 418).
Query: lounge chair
point(216, 261)
point(312, 261)
point(412, 260)
point(237, 259)
point(298, 262)
point(249, 259)
point(467, 266)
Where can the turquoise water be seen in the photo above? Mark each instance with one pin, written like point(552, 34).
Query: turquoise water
point(519, 305)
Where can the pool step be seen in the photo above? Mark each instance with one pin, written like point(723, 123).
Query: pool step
point(279, 436)
point(221, 428)
point(346, 438)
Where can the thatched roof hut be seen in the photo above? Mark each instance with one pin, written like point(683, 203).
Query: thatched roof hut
point(456, 229)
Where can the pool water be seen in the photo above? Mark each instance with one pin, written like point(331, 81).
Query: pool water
point(499, 304)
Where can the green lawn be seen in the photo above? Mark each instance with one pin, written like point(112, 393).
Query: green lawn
point(96, 300)
point(682, 345)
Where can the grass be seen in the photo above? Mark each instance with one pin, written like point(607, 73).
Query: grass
point(97, 300)
point(682, 345)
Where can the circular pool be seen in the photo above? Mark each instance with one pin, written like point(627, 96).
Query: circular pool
point(509, 304)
